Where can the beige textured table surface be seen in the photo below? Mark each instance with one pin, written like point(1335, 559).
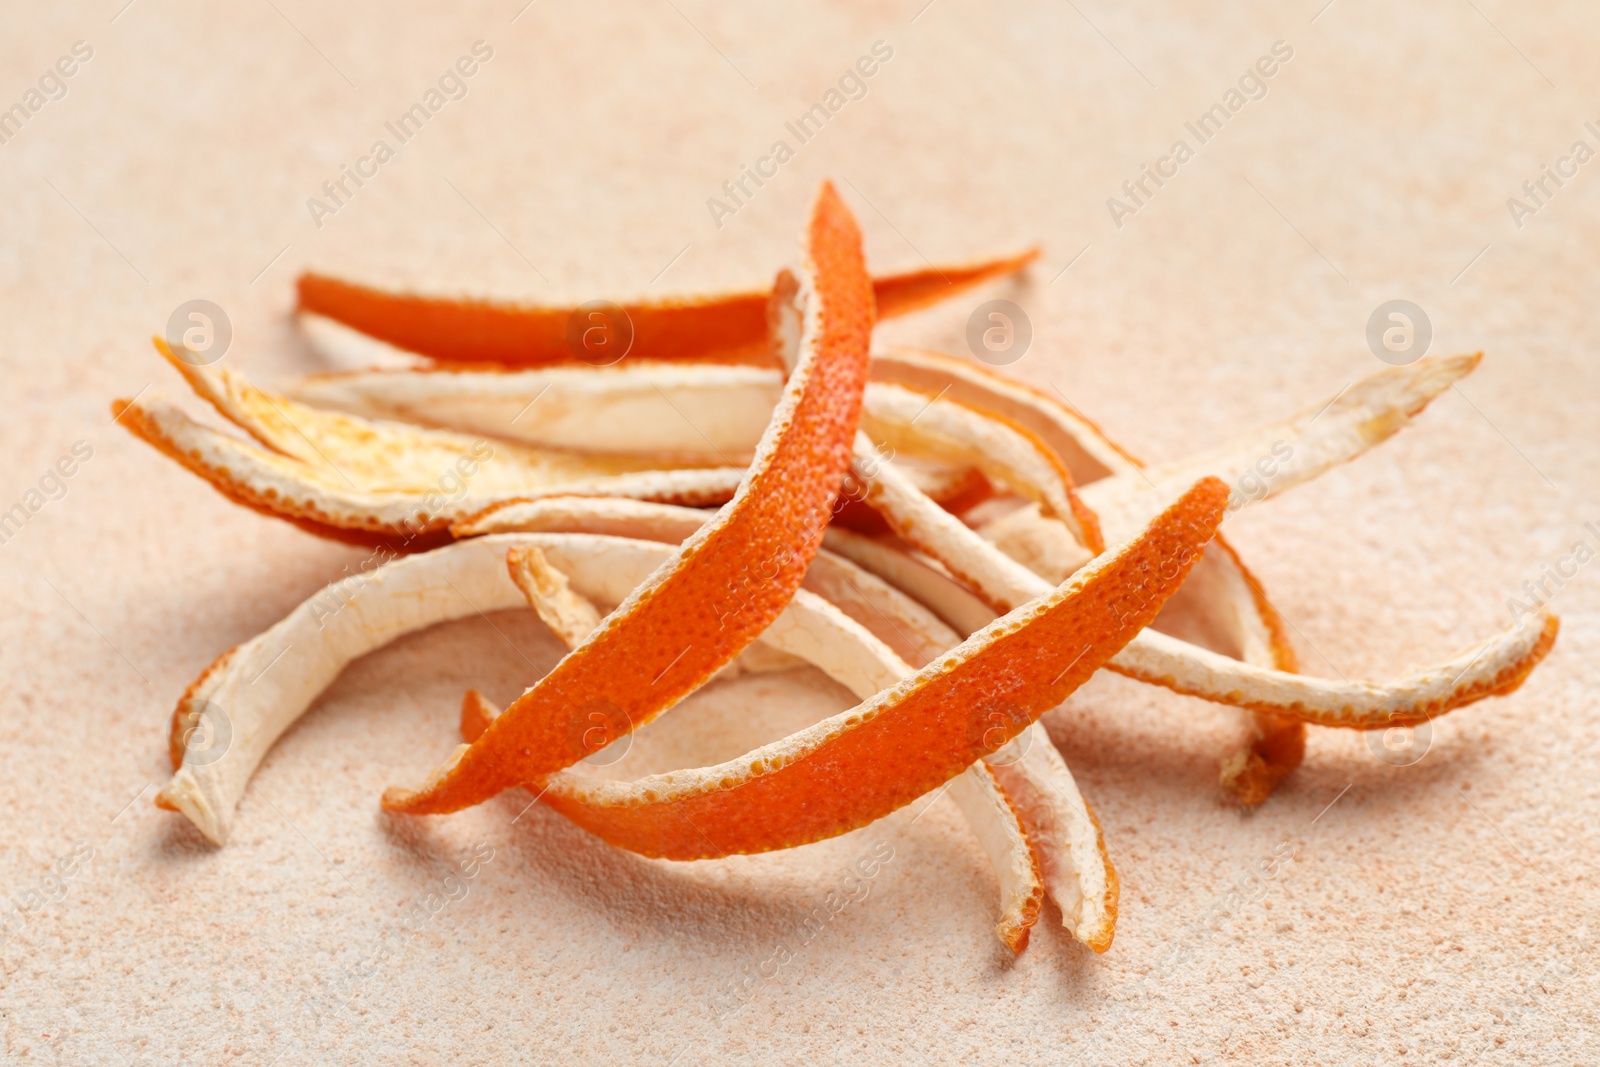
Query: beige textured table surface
point(1436, 912)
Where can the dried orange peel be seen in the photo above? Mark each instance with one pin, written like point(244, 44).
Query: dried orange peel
point(678, 628)
point(1058, 832)
point(859, 766)
point(729, 328)
point(993, 817)
point(1494, 667)
point(1222, 610)
point(343, 475)
point(1365, 415)
point(985, 498)
point(254, 692)
point(1272, 458)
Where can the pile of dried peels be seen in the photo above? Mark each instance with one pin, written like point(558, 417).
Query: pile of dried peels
point(750, 490)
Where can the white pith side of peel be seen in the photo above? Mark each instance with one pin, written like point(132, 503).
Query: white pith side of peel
point(308, 649)
point(290, 487)
point(1162, 659)
point(1316, 440)
point(658, 407)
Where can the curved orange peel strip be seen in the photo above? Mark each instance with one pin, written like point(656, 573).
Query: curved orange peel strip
point(856, 767)
point(680, 627)
point(1261, 464)
point(915, 424)
point(997, 823)
point(702, 412)
point(1071, 847)
point(994, 819)
point(1492, 668)
point(717, 328)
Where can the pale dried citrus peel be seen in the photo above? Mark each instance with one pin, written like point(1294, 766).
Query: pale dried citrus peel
point(256, 690)
point(679, 413)
point(342, 474)
point(1074, 864)
point(669, 636)
point(914, 424)
point(728, 328)
point(569, 616)
point(702, 412)
point(1270, 459)
point(993, 817)
point(997, 823)
point(1494, 667)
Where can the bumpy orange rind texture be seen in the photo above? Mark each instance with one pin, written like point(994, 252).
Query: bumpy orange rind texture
point(682, 626)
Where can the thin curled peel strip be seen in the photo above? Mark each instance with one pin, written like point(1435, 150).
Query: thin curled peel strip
point(702, 414)
point(977, 792)
point(1058, 824)
point(917, 424)
point(697, 411)
point(855, 767)
point(1295, 450)
point(669, 636)
point(1494, 667)
point(258, 689)
point(1222, 608)
point(728, 327)
point(341, 475)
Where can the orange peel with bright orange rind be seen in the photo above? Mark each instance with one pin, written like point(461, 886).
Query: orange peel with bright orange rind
point(692, 618)
point(969, 484)
point(728, 328)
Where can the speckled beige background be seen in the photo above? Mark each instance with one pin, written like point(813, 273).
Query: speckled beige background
point(1434, 913)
